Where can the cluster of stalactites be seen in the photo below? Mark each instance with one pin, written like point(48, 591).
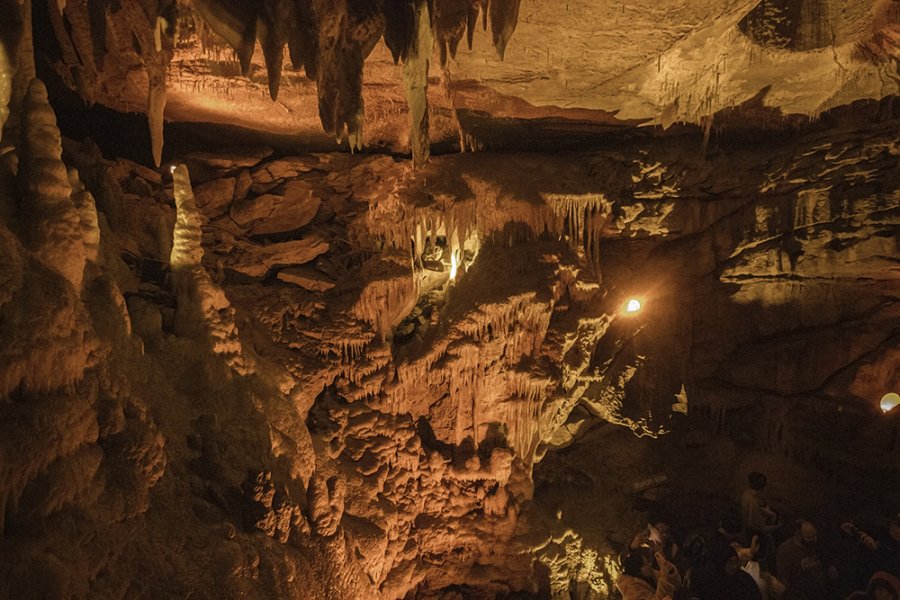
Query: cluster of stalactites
point(143, 27)
point(450, 20)
point(330, 40)
point(584, 219)
point(580, 219)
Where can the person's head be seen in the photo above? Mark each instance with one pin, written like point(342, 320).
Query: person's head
point(660, 530)
point(884, 586)
point(637, 564)
point(807, 534)
point(894, 527)
point(757, 480)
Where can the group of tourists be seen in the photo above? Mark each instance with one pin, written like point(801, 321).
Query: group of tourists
point(756, 557)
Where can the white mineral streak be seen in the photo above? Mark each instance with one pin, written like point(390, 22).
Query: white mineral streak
point(203, 309)
point(56, 232)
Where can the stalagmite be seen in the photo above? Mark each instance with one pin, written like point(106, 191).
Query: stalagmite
point(187, 251)
point(55, 235)
point(87, 213)
point(203, 309)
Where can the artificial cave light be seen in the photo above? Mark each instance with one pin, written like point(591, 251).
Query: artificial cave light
point(632, 306)
point(890, 401)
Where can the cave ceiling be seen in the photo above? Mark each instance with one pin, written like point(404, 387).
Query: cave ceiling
point(318, 71)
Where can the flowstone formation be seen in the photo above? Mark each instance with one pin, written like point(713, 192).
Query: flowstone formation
point(262, 373)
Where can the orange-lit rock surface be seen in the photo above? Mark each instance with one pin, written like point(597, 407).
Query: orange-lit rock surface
point(270, 373)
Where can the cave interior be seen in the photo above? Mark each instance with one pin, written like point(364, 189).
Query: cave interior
point(436, 299)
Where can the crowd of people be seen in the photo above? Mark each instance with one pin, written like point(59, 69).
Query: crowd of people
point(754, 556)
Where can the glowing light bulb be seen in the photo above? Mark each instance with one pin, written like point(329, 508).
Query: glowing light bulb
point(633, 305)
point(453, 265)
point(890, 401)
point(172, 169)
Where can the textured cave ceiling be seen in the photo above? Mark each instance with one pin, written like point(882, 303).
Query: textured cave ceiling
point(325, 299)
point(353, 68)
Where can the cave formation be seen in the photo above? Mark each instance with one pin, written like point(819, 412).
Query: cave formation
point(435, 299)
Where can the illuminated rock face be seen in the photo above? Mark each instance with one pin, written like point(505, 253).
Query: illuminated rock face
point(323, 375)
point(600, 63)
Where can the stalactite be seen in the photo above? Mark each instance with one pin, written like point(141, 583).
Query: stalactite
point(331, 40)
point(582, 219)
point(302, 39)
point(156, 106)
point(400, 24)
point(415, 80)
point(504, 15)
point(272, 28)
point(235, 22)
point(347, 33)
point(452, 19)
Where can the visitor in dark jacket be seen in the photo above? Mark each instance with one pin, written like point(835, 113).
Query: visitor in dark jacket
point(881, 548)
point(799, 567)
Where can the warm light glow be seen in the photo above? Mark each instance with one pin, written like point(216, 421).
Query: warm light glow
point(453, 266)
point(633, 305)
point(172, 169)
point(890, 401)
